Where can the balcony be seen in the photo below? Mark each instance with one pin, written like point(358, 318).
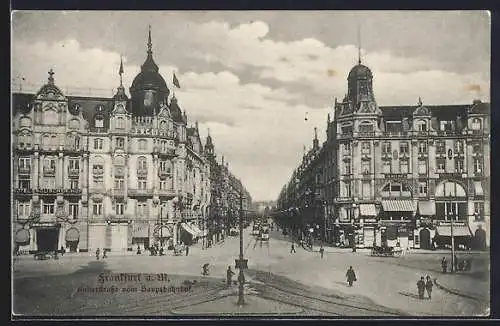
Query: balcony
point(98, 130)
point(140, 192)
point(49, 172)
point(119, 192)
point(97, 171)
point(142, 172)
point(72, 192)
point(168, 152)
point(50, 191)
point(366, 134)
point(23, 191)
point(166, 192)
point(24, 170)
point(72, 172)
point(71, 148)
point(449, 175)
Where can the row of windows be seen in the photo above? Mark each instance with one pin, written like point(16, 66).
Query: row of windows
point(397, 126)
point(120, 143)
point(387, 166)
point(24, 209)
point(422, 147)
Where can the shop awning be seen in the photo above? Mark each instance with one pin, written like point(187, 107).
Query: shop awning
point(427, 208)
point(458, 231)
point(140, 230)
point(189, 230)
point(22, 236)
point(398, 205)
point(478, 188)
point(367, 210)
point(196, 229)
point(72, 234)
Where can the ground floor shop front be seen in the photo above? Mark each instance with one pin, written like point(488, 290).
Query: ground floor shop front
point(120, 236)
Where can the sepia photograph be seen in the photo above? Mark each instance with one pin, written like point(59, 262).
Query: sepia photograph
point(270, 164)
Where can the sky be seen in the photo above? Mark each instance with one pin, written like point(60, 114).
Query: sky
point(251, 78)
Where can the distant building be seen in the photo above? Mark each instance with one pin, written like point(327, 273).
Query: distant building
point(389, 175)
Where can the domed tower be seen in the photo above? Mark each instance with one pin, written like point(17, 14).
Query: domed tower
point(359, 83)
point(149, 90)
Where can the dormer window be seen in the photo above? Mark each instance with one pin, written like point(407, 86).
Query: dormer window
point(447, 126)
point(476, 124)
point(366, 127)
point(120, 123)
point(99, 121)
point(421, 125)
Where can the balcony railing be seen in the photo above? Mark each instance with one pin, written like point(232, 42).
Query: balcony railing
point(118, 191)
point(142, 172)
point(49, 172)
point(97, 171)
point(24, 170)
point(50, 191)
point(70, 191)
point(98, 130)
point(24, 191)
point(143, 192)
point(73, 172)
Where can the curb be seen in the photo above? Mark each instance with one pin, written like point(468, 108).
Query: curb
point(455, 292)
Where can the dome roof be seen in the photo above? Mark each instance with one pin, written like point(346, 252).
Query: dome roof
point(360, 71)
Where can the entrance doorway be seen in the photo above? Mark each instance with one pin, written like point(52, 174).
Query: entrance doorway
point(425, 239)
point(72, 245)
point(47, 239)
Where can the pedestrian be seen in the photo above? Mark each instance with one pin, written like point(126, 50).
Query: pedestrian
point(104, 253)
point(187, 250)
point(428, 286)
point(321, 251)
point(455, 263)
point(62, 251)
point(97, 253)
point(229, 276)
point(351, 276)
point(293, 248)
point(421, 287)
point(444, 265)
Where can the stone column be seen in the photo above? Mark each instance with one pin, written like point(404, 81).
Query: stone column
point(40, 171)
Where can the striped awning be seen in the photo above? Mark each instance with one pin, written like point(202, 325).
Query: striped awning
point(72, 234)
point(458, 231)
point(140, 230)
point(367, 210)
point(398, 205)
point(189, 230)
point(427, 208)
point(22, 236)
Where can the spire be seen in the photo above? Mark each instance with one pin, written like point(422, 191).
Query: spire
point(150, 45)
point(315, 133)
point(120, 72)
point(328, 118)
point(208, 132)
point(51, 76)
point(419, 101)
point(359, 44)
point(196, 125)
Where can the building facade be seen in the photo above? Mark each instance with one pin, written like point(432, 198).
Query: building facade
point(398, 175)
point(110, 173)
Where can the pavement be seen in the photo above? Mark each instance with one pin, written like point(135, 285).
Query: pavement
point(315, 286)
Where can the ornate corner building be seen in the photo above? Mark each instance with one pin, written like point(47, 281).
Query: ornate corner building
point(394, 175)
point(109, 173)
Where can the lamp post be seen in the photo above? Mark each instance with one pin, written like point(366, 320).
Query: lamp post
point(452, 242)
point(241, 263)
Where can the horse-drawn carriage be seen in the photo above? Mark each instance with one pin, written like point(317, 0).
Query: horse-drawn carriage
point(386, 251)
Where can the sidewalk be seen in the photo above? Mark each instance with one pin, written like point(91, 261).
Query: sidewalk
point(457, 285)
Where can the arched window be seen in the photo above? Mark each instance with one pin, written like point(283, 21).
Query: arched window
point(50, 117)
point(25, 122)
point(74, 124)
point(142, 144)
point(421, 125)
point(450, 189)
point(142, 163)
point(120, 160)
point(53, 141)
point(476, 124)
point(46, 142)
point(163, 125)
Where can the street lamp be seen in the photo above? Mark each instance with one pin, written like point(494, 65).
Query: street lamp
point(241, 263)
point(452, 242)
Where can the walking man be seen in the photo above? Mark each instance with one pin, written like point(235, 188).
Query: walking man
point(428, 286)
point(321, 251)
point(351, 276)
point(293, 248)
point(97, 253)
point(229, 276)
point(421, 287)
point(187, 250)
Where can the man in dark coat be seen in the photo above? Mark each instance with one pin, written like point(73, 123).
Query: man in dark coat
point(229, 276)
point(187, 250)
point(444, 264)
point(293, 248)
point(351, 276)
point(428, 286)
point(97, 253)
point(321, 251)
point(421, 287)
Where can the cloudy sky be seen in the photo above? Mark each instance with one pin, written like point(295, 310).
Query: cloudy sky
point(253, 77)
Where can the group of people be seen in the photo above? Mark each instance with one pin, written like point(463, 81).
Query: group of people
point(424, 285)
point(98, 252)
point(461, 265)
